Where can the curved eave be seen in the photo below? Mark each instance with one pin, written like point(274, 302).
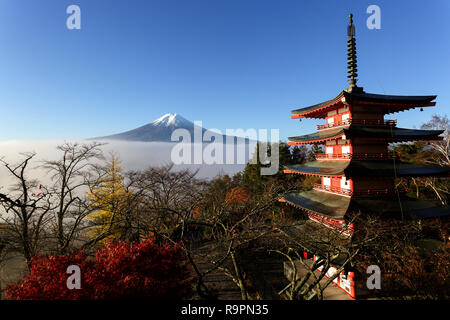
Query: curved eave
point(317, 110)
point(389, 139)
point(336, 207)
point(391, 103)
point(370, 132)
point(317, 137)
point(366, 168)
point(318, 168)
point(392, 100)
point(355, 131)
point(410, 207)
point(387, 168)
point(322, 203)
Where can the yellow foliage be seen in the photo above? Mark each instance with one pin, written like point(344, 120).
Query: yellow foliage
point(110, 200)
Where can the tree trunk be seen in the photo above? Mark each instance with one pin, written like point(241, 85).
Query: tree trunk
point(240, 279)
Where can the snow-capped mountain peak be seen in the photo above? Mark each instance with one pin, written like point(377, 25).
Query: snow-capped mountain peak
point(159, 130)
point(171, 119)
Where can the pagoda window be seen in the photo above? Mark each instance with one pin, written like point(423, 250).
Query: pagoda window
point(343, 110)
point(326, 181)
point(345, 149)
point(332, 113)
point(330, 120)
point(329, 150)
point(345, 184)
point(330, 142)
point(345, 116)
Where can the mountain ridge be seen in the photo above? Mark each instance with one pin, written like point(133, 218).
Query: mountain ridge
point(160, 130)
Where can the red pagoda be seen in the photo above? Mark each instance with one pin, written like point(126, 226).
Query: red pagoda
point(357, 170)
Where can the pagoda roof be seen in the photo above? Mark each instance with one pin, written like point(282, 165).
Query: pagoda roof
point(319, 167)
point(337, 207)
point(391, 103)
point(323, 203)
point(366, 168)
point(363, 131)
point(317, 137)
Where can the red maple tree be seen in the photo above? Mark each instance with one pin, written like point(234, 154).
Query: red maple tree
point(119, 270)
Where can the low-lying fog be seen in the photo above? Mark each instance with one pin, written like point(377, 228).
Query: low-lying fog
point(134, 156)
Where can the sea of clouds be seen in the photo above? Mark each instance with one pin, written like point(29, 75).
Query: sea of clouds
point(134, 156)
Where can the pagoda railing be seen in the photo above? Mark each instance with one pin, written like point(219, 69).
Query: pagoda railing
point(339, 190)
point(346, 229)
point(356, 121)
point(348, 192)
point(356, 156)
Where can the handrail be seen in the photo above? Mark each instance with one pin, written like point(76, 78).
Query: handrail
point(357, 121)
point(333, 189)
point(349, 192)
point(356, 156)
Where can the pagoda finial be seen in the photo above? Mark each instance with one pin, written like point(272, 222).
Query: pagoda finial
point(351, 27)
point(352, 68)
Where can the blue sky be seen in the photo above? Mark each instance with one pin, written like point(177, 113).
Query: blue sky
point(232, 64)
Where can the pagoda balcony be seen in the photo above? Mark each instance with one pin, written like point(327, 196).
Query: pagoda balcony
point(355, 156)
point(342, 191)
point(392, 123)
point(348, 192)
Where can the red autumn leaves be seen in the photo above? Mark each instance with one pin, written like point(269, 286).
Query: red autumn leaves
point(119, 270)
point(238, 195)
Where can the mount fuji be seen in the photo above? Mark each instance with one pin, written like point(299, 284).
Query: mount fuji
point(159, 130)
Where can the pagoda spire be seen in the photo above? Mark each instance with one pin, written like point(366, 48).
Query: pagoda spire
point(352, 67)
